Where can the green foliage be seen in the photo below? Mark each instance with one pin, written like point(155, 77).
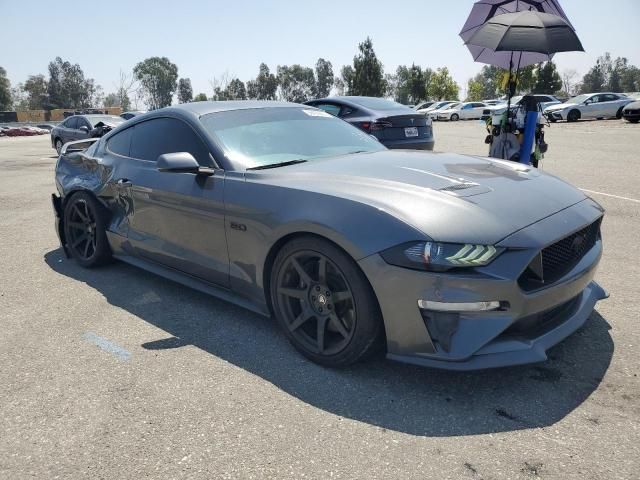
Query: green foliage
point(5, 91)
point(201, 97)
point(547, 79)
point(344, 84)
point(67, 86)
point(324, 78)
point(475, 91)
point(35, 89)
point(442, 86)
point(368, 73)
point(158, 79)
point(264, 87)
point(185, 91)
point(297, 83)
point(611, 75)
point(236, 90)
point(118, 99)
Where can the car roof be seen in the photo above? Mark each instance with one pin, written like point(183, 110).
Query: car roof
point(203, 108)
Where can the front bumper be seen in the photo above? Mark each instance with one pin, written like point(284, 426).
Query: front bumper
point(56, 203)
point(530, 323)
point(556, 115)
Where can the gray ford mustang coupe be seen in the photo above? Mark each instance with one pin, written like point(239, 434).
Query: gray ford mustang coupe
point(441, 260)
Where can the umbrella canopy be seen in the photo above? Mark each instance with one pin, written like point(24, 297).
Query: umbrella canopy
point(484, 10)
point(528, 31)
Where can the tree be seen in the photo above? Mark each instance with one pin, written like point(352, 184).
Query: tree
point(35, 88)
point(265, 85)
point(5, 91)
point(158, 79)
point(547, 79)
point(368, 72)
point(344, 84)
point(475, 90)
point(568, 81)
point(68, 88)
point(297, 83)
point(185, 92)
point(201, 97)
point(442, 86)
point(324, 78)
point(236, 90)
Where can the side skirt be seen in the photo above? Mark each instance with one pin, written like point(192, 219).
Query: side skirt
point(192, 282)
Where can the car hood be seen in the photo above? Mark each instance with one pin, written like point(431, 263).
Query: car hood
point(632, 105)
point(560, 106)
point(448, 197)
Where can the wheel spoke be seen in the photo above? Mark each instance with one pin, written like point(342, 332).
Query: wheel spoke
point(322, 326)
point(293, 292)
point(341, 296)
point(86, 248)
point(79, 240)
point(322, 270)
point(80, 214)
point(304, 276)
point(337, 324)
point(77, 225)
point(300, 320)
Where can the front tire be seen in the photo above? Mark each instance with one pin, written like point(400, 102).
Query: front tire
point(85, 222)
point(58, 144)
point(324, 303)
point(573, 116)
point(455, 117)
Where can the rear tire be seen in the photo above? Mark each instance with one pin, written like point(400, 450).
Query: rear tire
point(324, 303)
point(619, 113)
point(573, 116)
point(85, 223)
point(455, 117)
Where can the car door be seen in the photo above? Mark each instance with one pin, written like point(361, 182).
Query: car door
point(83, 128)
point(609, 105)
point(174, 219)
point(70, 129)
point(590, 108)
point(478, 108)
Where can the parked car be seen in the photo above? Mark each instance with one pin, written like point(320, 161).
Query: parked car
point(433, 114)
point(544, 101)
point(423, 106)
point(393, 124)
point(352, 247)
point(589, 105)
point(631, 112)
point(463, 111)
point(78, 127)
point(437, 106)
point(133, 113)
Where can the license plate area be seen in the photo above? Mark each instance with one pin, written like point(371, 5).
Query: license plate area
point(411, 132)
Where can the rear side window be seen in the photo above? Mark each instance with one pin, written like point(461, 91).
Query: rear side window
point(152, 138)
point(120, 142)
point(329, 108)
point(72, 122)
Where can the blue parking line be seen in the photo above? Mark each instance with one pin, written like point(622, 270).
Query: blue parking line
point(108, 346)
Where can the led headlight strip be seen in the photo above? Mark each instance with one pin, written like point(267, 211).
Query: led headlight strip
point(472, 255)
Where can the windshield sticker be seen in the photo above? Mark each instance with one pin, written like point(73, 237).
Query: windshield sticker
point(317, 113)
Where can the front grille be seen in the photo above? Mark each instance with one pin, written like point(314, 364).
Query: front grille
point(556, 260)
point(538, 324)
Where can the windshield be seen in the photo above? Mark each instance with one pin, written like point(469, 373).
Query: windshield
point(450, 106)
point(579, 99)
point(267, 136)
point(110, 119)
point(377, 103)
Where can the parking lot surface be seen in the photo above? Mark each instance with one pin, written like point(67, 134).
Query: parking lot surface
point(116, 373)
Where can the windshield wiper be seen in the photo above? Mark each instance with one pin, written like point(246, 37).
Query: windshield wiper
point(276, 165)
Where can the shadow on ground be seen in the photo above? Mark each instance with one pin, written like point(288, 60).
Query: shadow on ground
point(392, 396)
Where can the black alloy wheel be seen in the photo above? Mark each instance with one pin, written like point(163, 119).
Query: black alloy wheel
point(323, 303)
point(58, 145)
point(573, 116)
point(84, 228)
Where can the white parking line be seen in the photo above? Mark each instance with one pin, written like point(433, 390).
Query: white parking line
point(107, 346)
point(610, 195)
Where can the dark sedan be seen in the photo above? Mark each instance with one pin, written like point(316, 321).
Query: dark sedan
point(78, 127)
point(631, 113)
point(352, 247)
point(393, 124)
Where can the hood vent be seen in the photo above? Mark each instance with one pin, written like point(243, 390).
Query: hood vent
point(458, 186)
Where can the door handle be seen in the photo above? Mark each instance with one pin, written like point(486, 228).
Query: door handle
point(124, 182)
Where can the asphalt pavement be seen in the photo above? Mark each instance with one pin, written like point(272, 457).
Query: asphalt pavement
point(115, 373)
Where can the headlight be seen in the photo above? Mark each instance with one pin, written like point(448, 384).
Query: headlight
point(440, 257)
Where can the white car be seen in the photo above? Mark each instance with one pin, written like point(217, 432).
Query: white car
point(463, 111)
point(433, 114)
point(436, 106)
point(589, 105)
point(423, 106)
point(544, 101)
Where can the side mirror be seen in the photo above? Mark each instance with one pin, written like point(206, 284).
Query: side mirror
point(84, 129)
point(181, 162)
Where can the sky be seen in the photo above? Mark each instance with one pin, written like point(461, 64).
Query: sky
point(205, 39)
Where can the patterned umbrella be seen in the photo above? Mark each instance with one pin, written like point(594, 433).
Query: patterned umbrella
point(484, 10)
